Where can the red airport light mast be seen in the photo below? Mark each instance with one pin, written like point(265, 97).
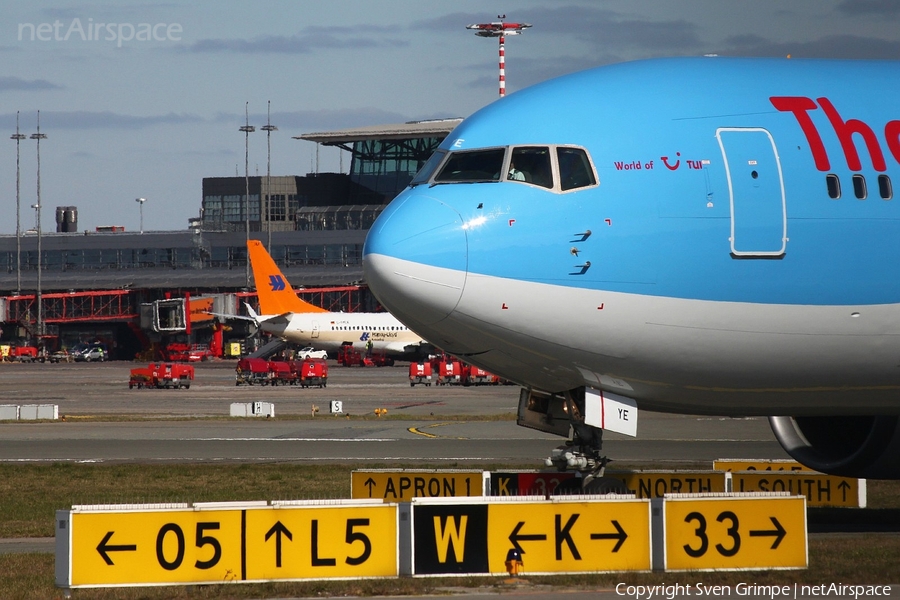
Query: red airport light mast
point(501, 30)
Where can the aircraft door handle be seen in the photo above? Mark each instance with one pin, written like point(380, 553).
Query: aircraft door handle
point(582, 236)
point(582, 269)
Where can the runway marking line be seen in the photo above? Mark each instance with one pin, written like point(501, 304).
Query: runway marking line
point(418, 431)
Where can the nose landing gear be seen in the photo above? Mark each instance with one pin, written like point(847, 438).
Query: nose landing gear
point(557, 414)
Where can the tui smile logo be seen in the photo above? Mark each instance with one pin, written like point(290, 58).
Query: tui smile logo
point(277, 283)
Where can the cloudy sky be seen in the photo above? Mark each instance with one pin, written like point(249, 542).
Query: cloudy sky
point(144, 99)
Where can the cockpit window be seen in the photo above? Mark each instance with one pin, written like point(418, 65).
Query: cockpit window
point(472, 166)
point(531, 164)
point(428, 168)
point(555, 168)
point(574, 169)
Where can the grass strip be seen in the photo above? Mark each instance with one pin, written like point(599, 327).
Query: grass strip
point(30, 494)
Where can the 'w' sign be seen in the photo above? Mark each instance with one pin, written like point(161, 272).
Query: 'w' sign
point(277, 282)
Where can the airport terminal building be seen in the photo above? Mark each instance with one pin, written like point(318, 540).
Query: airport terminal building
point(135, 290)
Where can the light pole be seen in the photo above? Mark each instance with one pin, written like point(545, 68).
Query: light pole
point(247, 129)
point(269, 128)
point(499, 29)
point(18, 137)
point(40, 316)
point(141, 202)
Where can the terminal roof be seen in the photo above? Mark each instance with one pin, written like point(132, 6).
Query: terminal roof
point(403, 131)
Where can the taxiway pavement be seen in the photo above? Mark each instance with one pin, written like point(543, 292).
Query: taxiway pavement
point(101, 420)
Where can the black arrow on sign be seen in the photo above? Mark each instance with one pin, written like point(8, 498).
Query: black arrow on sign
point(844, 487)
point(370, 483)
point(619, 535)
point(515, 538)
point(103, 548)
point(778, 533)
point(277, 530)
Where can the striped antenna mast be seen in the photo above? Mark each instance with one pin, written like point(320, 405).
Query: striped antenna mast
point(499, 29)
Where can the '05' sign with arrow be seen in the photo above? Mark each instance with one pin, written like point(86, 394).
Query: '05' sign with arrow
point(225, 543)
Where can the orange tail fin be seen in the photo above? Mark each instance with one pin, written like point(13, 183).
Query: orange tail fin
point(276, 296)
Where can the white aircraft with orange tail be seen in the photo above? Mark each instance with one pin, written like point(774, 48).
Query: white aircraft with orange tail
point(288, 317)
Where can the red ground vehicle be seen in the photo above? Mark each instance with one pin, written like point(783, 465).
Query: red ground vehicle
point(435, 362)
point(162, 375)
point(141, 377)
point(313, 371)
point(420, 373)
point(346, 354)
point(188, 352)
point(23, 354)
point(380, 359)
point(451, 372)
point(477, 376)
point(351, 357)
point(280, 372)
point(252, 371)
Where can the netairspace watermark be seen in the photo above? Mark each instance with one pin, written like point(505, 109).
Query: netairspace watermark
point(57, 31)
point(754, 590)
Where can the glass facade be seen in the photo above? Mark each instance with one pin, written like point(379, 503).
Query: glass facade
point(387, 166)
point(181, 258)
point(379, 170)
point(94, 259)
point(318, 254)
point(279, 206)
point(333, 218)
point(229, 209)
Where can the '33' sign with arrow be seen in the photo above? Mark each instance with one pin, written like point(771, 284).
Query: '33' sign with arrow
point(737, 532)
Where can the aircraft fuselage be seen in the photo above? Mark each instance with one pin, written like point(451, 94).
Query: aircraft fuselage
point(735, 253)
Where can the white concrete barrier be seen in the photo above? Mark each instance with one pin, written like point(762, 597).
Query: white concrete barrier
point(252, 409)
point(32, 412)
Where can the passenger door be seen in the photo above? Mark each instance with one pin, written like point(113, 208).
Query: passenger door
point(756, 189)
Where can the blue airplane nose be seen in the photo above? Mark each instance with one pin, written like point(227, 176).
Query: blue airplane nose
point(415, 258)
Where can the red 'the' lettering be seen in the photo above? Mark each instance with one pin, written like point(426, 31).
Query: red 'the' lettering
point(845, 131)
point(799, 105)
point(892, 133)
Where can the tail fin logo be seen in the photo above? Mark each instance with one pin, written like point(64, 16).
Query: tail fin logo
point(276, 295)
point(276, 282)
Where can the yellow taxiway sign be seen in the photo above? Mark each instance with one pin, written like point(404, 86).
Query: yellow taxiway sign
point(550, 536)
point(820, 489)
point(219, 543)
point(656, 484)
point(402, 486)
point(571, 537)
point(735, 533)
point(738, 464)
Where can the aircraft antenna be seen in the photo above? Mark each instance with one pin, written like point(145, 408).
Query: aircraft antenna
point(499, 29)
